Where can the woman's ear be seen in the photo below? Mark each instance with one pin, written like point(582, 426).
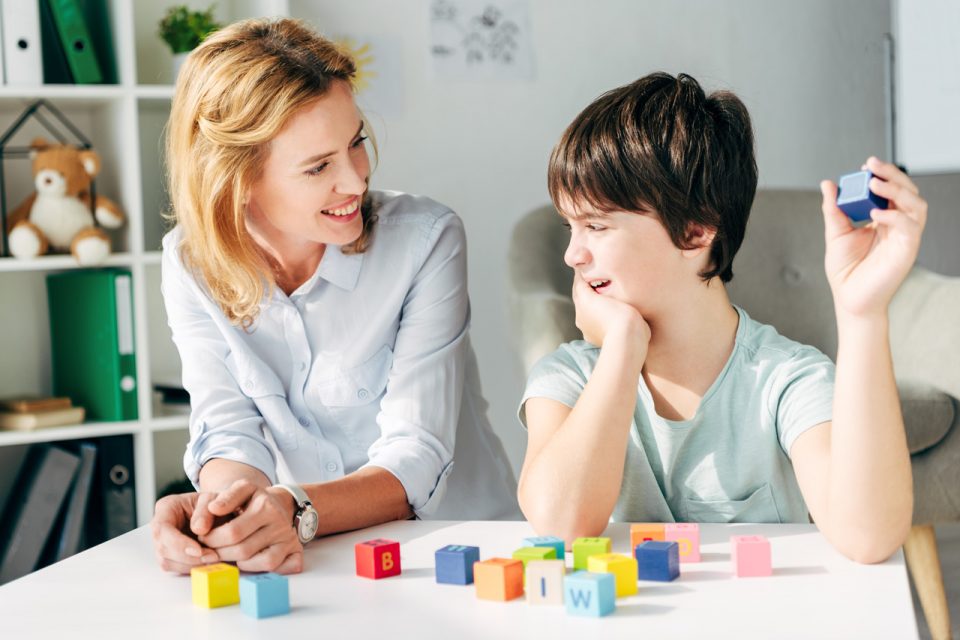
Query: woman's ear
point(698, 239)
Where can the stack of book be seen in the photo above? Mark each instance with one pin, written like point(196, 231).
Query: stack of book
point(26, 413)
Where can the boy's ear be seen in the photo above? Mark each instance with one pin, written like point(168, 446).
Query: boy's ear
point(698, 239)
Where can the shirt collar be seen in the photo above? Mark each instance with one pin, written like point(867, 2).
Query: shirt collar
point(339, 269)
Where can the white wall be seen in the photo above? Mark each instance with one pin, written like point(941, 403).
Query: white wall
point(810, 72)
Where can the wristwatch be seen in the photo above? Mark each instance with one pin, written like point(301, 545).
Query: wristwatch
point(305, 519)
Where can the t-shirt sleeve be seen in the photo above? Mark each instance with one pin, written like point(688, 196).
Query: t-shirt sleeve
point(806, 395)
point(559, 376)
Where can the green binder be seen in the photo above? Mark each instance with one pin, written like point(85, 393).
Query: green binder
point(76, 41)
point(92, 341)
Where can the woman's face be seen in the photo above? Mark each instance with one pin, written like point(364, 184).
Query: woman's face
point(314, 176)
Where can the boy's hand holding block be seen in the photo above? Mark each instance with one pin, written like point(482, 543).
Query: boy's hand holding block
point(264, 595)
point(855, 198)
point(623, 568)
point(378, 558)
point(643, 531)
point(498, 579)
point(454, 563)
point(687, 537)
point(547, 541)
point(215, 585)
point(658, 560)
point(583, 548)
point(751, 556)
point(589, 594)
point(545, 581)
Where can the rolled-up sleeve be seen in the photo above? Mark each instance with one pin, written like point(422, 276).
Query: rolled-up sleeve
point(224, 422)
point(420, 410)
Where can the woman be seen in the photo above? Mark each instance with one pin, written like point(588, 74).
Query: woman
point(322, 327)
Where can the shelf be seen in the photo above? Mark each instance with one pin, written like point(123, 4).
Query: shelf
point(51, 263)
point(170, 423)
point(154, 92)
point(74, 93)
point(70, 432)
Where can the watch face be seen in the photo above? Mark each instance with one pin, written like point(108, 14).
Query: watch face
point(308, 524)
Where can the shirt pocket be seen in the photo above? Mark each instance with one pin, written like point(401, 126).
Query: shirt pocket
point(759, 506)
point(353, 397)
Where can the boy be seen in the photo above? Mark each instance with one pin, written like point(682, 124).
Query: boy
point(678, 406)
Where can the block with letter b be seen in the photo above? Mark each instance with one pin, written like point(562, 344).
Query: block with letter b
point(378, 558)
point(454, 563)
point(215, 585)
point(751, 556)
point(589, 594)
point(498, 579)
point(687, 537)
point(545, 581)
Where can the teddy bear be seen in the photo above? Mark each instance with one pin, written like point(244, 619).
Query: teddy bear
point(58, 214)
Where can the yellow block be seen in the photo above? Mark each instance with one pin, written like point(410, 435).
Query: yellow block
point(215, 585)
point(623, 568)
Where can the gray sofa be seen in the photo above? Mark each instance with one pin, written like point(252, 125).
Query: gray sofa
point(779, 279)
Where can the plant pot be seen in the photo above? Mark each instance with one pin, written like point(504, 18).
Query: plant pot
point(177, 62)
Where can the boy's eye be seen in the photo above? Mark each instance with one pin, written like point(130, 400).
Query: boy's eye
point(596, 227)
point(566, 225)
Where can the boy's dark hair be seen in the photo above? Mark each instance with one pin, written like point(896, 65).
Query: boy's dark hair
point(660, 144)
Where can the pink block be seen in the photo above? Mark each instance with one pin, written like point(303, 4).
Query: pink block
point(687, 537)
point(751, 556)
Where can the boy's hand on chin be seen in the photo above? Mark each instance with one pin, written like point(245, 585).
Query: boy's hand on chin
point(600, 315)
point(866, 265)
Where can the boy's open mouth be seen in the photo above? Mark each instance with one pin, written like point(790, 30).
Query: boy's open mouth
point(597, 285)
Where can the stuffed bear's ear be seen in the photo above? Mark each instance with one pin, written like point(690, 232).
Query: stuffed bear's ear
point(38, 144)
point(91, 162)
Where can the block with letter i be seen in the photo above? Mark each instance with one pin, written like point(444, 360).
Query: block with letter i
point(264, 595)
point(545, 581)
point(378, 558)
point(454, 563)
point(658, 560)
point(751, 556)
point(623, 568)
point(589, 594)
point(687, 537)
point(498, 579)
point(643, 531)
point(583, 548)
point(215, 585)
point(547, 541)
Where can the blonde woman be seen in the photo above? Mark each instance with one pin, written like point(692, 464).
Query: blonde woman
point(322, 327)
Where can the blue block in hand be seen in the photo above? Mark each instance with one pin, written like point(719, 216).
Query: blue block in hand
point(455, 564)
point(589, 594)
point(657, 560)
point(855, 198)
point(264, 595)
point(546, 541)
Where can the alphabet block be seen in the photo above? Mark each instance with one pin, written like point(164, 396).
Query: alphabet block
point(545, 581)
point(547, 541)
point(589, 594)
point(498, 579)
point(264, 595)
point(643, 531)
point(751, 556)
point(378, 558)
point(454, 564)
point(623, 568)
point(583, 548)
point(215, 585)
point(658, 560)
point(687, 537)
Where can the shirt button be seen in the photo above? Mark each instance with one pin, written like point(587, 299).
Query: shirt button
point(331, 466)
point(304, 421)
point(303, 366)
point(248, 385)
point(362, 394)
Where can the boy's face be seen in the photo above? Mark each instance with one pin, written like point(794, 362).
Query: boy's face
point(629, 256)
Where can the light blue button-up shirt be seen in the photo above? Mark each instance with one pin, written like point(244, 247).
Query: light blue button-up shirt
point(367, 363)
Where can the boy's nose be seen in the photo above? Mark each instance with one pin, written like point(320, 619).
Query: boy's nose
point(576, 255)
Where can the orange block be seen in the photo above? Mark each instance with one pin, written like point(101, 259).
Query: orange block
point(498, 579)
point(641, 532)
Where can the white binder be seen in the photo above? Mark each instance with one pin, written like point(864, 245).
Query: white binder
point(22, 57)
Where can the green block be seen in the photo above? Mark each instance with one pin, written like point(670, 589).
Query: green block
point(534, 553)
point(583, 548)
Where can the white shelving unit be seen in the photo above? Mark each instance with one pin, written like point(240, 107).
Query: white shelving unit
point(125, 124)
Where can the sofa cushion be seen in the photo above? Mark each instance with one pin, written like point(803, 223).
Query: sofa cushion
point(928, 414)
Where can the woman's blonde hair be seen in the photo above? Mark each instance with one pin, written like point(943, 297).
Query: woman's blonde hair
point(234, 94)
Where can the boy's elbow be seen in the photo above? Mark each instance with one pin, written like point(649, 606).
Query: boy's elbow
point(875, 547)
point(564, 522)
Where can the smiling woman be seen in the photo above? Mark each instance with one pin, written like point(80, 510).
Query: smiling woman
point(322, 326)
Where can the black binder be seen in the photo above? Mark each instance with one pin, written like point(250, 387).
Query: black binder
point(112, 509)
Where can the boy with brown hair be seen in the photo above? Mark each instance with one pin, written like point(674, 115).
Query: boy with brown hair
point(678, 406)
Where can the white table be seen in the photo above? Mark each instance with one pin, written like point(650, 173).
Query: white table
point(116, 590)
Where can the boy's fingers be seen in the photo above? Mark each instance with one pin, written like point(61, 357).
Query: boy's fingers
point(901, 198)
point(893, 219)
point(891, 173)
point(835, 221)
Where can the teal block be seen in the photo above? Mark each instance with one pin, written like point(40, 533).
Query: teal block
point(590, 594)
point(546, 541)
point(264, 595)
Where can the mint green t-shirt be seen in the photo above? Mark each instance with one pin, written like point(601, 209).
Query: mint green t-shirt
point(730, 462)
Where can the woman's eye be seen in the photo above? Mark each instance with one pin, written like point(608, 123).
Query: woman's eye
point(317, 169)
point(359, 142)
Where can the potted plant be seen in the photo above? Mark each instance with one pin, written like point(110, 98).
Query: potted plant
point(183, 29)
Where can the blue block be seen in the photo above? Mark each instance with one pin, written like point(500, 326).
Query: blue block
point(264, 595)
point(546, 541)
point(657, 560)
point(855, 198)
point(589, 594)
point(455, 564)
